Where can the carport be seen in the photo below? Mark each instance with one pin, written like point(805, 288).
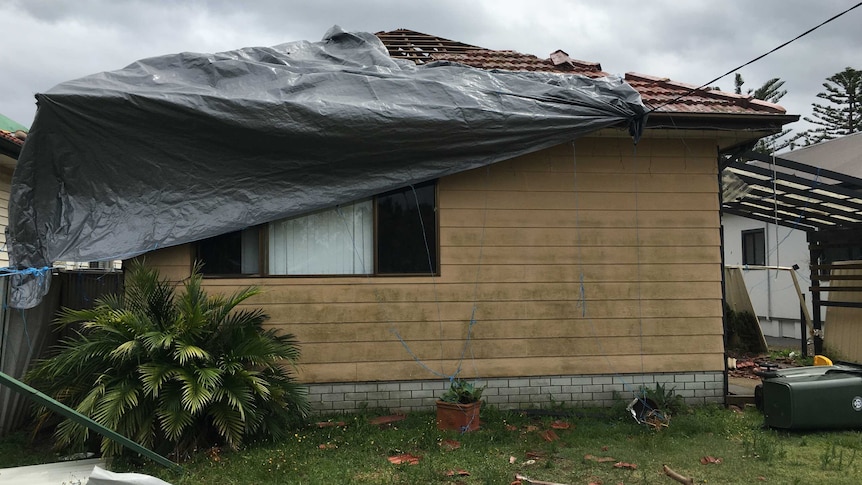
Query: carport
point(827, 205)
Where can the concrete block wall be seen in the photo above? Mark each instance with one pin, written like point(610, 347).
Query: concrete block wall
point(697, 388)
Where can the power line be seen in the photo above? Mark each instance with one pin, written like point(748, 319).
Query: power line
point(812, 29)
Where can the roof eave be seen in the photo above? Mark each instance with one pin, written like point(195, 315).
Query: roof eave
point(10, 148)
point(721, 121)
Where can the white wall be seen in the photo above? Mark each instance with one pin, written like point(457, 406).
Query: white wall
point(772, 292)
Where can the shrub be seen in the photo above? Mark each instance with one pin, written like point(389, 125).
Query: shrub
point(462, 392)
point(173, 370)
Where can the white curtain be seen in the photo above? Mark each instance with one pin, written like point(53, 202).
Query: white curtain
point(335, 241)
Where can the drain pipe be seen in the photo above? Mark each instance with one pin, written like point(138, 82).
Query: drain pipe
point(768, 276)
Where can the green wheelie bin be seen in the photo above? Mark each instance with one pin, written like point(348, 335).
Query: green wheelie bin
point(815, 397)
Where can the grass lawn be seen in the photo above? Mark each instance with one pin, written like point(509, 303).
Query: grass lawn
point(583, 448)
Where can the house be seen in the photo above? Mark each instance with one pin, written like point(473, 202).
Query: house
point(756, 242)
point(11, 141)
point(12, 136)
point(574, 271)
point(569, 274)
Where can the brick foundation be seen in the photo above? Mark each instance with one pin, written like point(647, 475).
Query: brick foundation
point(697, 388)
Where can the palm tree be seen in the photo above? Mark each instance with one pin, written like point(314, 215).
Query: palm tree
point(173, 371)
point(769, 91)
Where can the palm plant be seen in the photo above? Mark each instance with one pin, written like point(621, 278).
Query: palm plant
point(173, 371)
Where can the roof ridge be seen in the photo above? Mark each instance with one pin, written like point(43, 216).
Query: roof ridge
point(671, 96)
point(560, 56)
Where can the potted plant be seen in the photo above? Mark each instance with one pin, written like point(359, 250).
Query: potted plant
point(458, 407)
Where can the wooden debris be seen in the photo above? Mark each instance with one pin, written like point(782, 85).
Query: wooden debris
point(549, 435)
point(522, 479)
point(676, 476)
point(706, 460)
point(560, 425)
point(404, 458)
point(387, 420)
point(450, 445)
point(600, 459)
point(622, 464)
point(331, 424)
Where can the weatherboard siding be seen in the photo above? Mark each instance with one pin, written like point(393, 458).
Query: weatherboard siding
point(5, 188)
point(635, 231)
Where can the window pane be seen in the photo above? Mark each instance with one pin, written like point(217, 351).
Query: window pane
point(231, 253)
point(407, 231)
point(335, 241)
point(754, 247)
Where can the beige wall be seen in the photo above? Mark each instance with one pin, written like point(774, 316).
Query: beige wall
point(639, 227)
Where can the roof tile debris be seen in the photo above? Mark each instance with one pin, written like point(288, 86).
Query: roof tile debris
point(669, 96)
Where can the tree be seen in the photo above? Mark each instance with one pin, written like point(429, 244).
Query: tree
point(771, 92)
point(843, 115)
point(173, 370)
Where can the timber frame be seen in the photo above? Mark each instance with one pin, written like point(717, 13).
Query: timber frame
point(827, 205)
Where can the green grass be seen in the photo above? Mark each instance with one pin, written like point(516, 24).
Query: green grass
point(357, 452)
point(790, 356)
point(21, 449)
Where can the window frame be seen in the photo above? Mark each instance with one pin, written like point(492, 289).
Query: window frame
point(436, 242)
point(264, 234)
point(750, 236)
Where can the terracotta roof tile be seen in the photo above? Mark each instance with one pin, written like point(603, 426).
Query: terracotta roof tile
point(11, 137)
point(669, 96)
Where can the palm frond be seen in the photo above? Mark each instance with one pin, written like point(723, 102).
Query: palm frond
point(173, 417)
point(229, 422)
point(195, 396)
point(154, 375)
point(125, 350)
point(185, 352)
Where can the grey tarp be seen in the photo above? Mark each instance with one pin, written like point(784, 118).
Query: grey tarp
point(182, 147)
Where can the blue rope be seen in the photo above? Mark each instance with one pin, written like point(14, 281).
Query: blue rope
point(38, 272)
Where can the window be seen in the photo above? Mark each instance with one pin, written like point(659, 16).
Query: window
point(392, 233)
point(231, 253)
point(754, 247)
point(335, 241)
point(407, 231)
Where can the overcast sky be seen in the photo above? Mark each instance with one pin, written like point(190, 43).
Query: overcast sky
point(51, 41)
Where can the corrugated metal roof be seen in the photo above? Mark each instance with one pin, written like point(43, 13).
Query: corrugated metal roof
point(8, 124)
point(655, 91)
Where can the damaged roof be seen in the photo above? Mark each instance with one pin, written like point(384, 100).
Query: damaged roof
point(662, 93)
point(10, 147)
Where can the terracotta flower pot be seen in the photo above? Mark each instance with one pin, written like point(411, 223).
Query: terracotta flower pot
point(461, 417)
